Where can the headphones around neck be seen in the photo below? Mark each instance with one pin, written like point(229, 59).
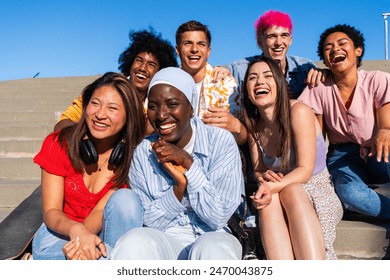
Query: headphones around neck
point(90, 156)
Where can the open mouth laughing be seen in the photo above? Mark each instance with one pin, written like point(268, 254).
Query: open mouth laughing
point(99, 124)
point(141, 76)
point(261, 91)
point(337, 58)
point(167, 128)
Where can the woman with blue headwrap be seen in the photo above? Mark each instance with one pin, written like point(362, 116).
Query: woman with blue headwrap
point(188, 176)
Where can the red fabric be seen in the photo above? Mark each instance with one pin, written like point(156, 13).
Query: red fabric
point(78, 200)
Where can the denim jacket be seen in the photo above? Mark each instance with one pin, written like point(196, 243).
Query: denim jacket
point(297, 70)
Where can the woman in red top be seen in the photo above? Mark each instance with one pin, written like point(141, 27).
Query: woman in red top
point(82, 167)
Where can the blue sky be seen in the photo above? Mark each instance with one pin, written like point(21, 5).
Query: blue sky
point(85, 37)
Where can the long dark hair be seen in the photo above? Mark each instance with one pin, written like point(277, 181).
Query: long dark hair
point(131, 134)
point(282, 108)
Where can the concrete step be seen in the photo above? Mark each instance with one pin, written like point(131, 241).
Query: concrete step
point(29, 88)
point(11, 145)
point(5, 211)
point(20, 124)
point(12, 101)
point(361, 237)
point(46, 84)
point(28, 116)
point(14, 191)
point(26, 129)
point(21, 166)
point(54, 106)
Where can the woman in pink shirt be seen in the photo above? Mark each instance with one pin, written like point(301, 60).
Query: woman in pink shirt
point(353, 108)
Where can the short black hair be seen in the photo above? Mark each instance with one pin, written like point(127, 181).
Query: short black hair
point(147, 41)
point(354, 34)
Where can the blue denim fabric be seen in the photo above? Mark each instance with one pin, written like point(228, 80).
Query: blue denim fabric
point(298, 68)
point(122, 212)
point(351, 176)
point(47, 245)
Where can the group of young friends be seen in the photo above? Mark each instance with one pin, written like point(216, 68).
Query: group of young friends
point(151, 163)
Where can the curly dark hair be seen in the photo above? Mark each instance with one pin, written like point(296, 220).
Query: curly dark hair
point(354, 34)
point(147, 41)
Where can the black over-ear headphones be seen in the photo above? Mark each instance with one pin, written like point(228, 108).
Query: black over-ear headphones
point(90, 156)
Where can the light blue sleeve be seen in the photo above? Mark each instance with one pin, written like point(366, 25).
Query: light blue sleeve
point(215, 188)
point(161, 207)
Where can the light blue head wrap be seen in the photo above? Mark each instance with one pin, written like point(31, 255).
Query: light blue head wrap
point(177, 78)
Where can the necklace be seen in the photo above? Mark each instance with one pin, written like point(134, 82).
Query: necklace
point(101, 165)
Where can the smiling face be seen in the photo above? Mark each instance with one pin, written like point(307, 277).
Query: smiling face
point(339, 52)
point(261, 85)
point(105, 113)
point(275, 42)
point(170, 112)
point(142, 70)
point(193, 50)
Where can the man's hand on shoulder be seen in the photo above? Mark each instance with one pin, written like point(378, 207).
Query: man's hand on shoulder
point(316, 76)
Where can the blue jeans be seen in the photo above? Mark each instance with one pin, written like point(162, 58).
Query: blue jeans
point(122, 212)
point(351, 176)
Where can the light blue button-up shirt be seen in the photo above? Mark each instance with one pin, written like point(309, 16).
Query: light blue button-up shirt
point(297, 70)
point(215, 182)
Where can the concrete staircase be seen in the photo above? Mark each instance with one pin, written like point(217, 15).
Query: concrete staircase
point(363, 237)
point(29, 109)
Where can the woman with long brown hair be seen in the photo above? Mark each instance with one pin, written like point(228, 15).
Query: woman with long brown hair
point(288, 155)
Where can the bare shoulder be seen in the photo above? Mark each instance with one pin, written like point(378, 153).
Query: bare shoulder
point(298, 107)
point(301, 114)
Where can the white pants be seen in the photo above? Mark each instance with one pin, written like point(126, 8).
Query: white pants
point(177, 243)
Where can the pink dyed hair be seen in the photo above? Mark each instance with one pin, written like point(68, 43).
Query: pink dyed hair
point(272, 18)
